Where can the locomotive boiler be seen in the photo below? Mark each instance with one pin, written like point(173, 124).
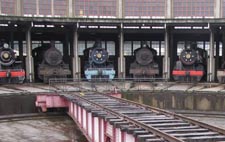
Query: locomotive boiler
point(145, 65)
point(11, 70)
point(50, 63)
point(191, 65)
point(98, 67)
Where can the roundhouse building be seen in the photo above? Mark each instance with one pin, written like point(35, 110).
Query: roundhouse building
point(121, 25)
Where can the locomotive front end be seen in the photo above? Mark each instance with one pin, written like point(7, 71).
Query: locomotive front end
point(11, 70)
point(98, 66)
point(191, 64)
point(144, 65)
point(52, 65)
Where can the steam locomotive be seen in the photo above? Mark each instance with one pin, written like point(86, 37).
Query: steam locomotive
point(145, 65)
point(98, 66)
point(50, 63)
point(191, 65)
point(11, 70)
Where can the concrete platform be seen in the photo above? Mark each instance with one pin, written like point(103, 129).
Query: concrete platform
point(29, 88)
point(111, 86)
point(218, 88)
point(196, 88)
point(142, 86)
point(180, 87)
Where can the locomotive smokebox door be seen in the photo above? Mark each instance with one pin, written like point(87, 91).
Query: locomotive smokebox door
point(144, 65)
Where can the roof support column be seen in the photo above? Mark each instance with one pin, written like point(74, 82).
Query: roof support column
point(217, 66)
point(75, 57)
point(29, 59)
point(121, 63)
point(19, 7)
point(120, 8)
point(52, 8)
point(217, 9)
point(70, 7)
point(37, 7)
point(211, 61)
point(166, 59)
point(169, 9)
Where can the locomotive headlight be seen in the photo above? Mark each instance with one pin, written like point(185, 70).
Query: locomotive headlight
point(5, 55)
point(5, 45)
point(188, 56)
point(99, 55)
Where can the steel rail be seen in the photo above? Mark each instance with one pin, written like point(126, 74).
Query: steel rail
point(178, 116)
point(136, 123)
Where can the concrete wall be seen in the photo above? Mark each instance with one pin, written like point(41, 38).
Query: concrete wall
point(180, 100)
point(17, 104)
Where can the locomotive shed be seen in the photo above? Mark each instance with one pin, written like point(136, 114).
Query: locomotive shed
point(123, 27)
point(169, 34)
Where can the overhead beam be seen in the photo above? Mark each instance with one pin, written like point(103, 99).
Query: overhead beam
point(111, 21)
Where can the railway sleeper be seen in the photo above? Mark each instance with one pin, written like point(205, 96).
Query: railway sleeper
point(179, 127)
point(149, 117)
point(133, 112)
point(118, 124)
point(139, 132)
point(169, 125)
point(155, 140)
point(186, 130)
point(191, 134)
point(161, 121)
point(144, 137)
point(132, 129)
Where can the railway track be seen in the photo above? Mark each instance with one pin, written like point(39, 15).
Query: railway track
point(147, 123)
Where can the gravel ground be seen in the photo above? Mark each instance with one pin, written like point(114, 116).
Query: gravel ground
point(216, 121)
point(49, 129)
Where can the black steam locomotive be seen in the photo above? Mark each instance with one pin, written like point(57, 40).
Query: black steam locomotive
point(98, 66)
point(49, 62)
point(144, 65)
point(11, 70)
point(191, 65)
